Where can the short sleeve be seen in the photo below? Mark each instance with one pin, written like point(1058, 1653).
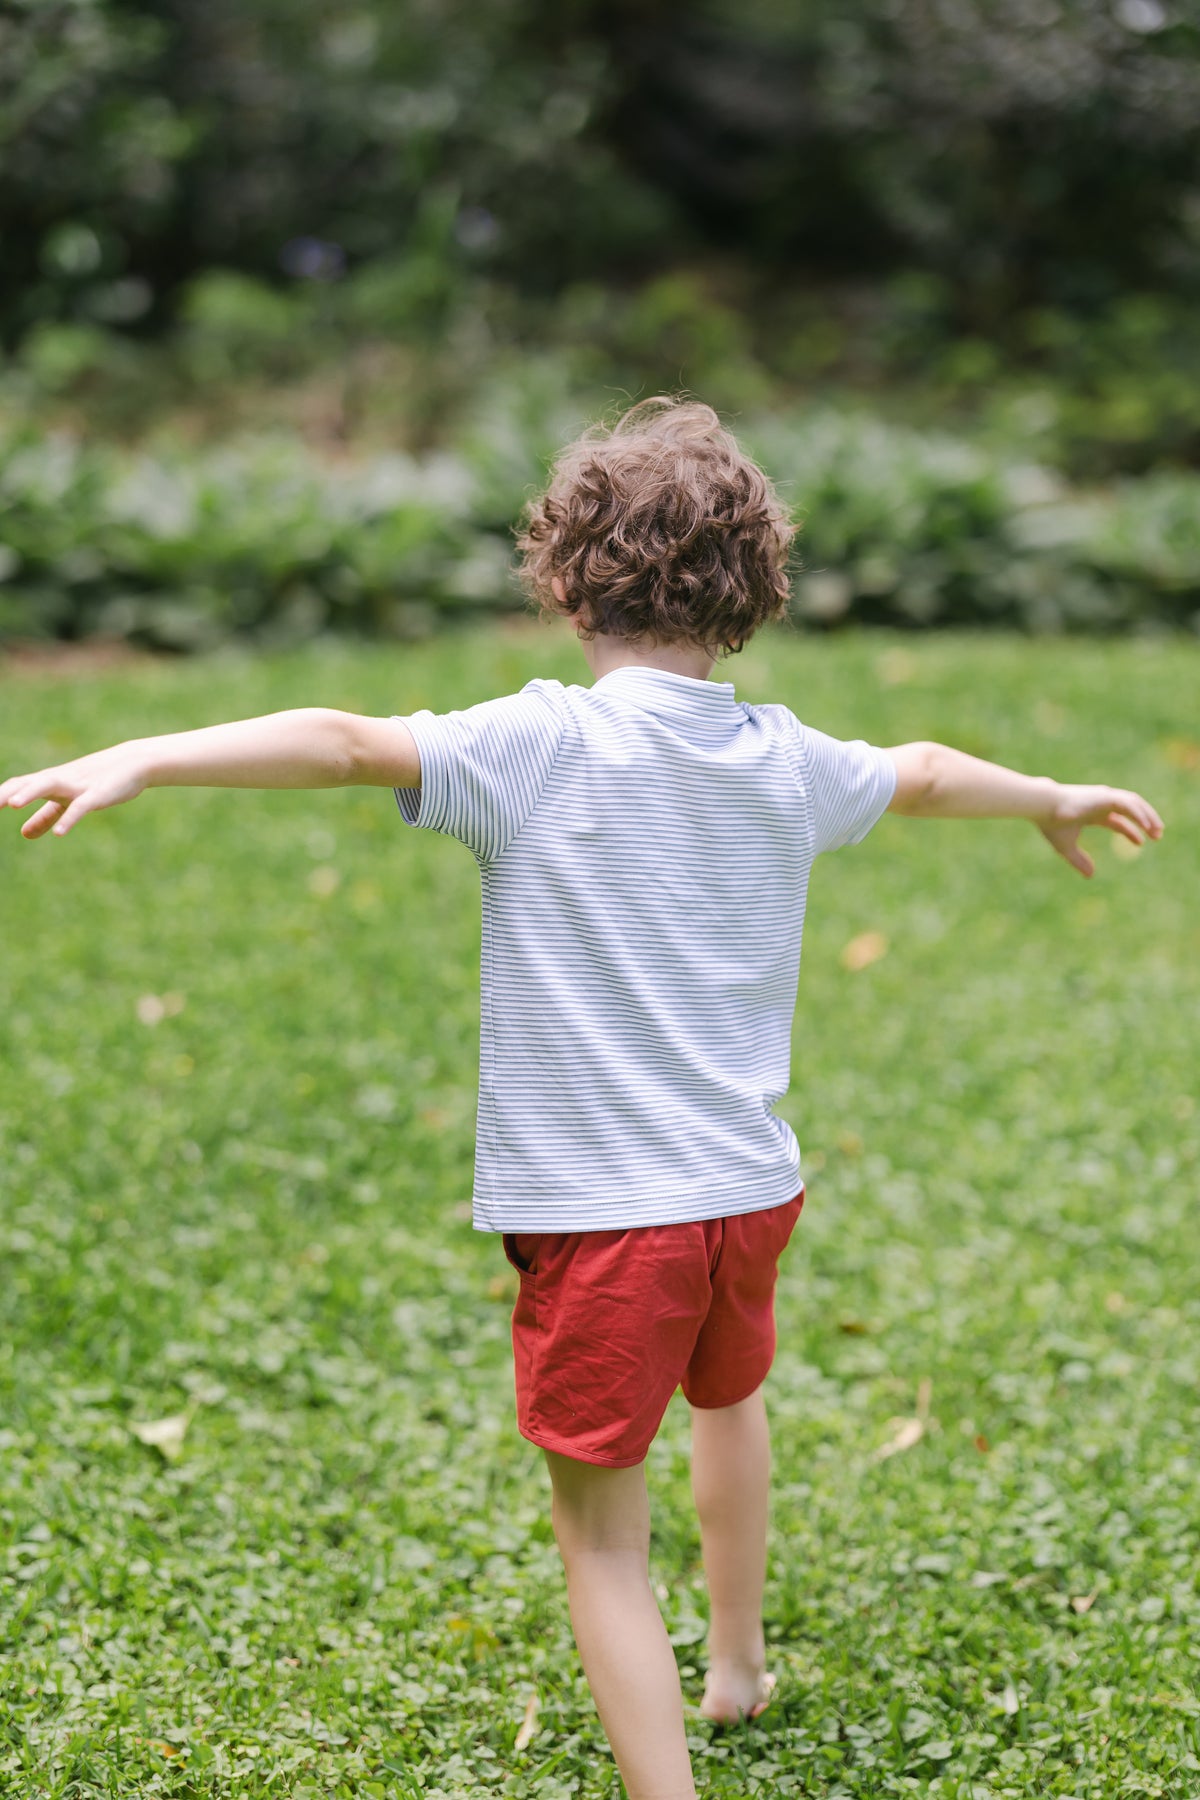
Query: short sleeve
point(850, 786)
point(483, 770)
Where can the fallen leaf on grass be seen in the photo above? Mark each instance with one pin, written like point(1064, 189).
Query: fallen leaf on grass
point(905, 1433)
point(1082, 1603)
point(160, 1744)
point(863, 950)
point(528, 1724)
point(476, 1634)
point(165, 1435)
point(908, 1431)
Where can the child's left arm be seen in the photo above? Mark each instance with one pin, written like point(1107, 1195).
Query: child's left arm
point(936, 782)
point(314, 747)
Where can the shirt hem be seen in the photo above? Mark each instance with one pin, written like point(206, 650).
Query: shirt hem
point(673, 1210)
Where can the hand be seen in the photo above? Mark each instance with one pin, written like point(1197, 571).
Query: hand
point(106, 778)
point(1117, 810)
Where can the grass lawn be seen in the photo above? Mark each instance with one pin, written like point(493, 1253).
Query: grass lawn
point(238, 1039)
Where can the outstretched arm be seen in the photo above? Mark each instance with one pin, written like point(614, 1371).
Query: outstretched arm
point(311, 748)
point(935, 782)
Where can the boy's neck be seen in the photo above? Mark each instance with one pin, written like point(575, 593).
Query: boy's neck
point(605, 653)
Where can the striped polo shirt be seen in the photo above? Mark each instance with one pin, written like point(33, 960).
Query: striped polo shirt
point(644, 847)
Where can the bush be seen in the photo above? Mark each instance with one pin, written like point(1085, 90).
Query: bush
point(410, 343)
point(261, 539)
point(256, 539)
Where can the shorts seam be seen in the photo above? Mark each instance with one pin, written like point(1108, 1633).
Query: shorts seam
point(535, 1356)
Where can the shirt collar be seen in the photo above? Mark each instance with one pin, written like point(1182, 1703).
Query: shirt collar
point(656, 688)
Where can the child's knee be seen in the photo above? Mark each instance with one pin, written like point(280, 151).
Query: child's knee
point(598, 1509)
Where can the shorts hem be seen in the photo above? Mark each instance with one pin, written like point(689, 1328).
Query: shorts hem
point(720, 1405)
point(560, 1447)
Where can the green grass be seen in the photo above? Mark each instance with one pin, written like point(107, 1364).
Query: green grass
point(252, 1213)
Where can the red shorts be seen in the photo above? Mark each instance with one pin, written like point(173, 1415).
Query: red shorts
point(609, 1323)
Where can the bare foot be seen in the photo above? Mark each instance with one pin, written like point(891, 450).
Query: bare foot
point(735, 1692)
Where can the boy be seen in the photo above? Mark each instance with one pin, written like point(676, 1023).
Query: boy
point(644, 848)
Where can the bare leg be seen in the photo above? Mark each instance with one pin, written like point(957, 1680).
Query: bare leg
point(602, 1523)
point(731, 1468)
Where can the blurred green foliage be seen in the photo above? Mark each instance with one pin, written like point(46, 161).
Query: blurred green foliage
point(409, 353)
point(180, 547)
point(1031, 151)
point(1024, 154)
point(298, 298)
point(294, 140)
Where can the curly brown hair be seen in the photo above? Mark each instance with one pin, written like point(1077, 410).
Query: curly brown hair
point(660, 529)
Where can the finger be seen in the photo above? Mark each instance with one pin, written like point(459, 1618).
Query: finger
point(1125, 828)
point(1077, 856)
point(20, 790)
point(17, 792)
point(1134, 807)
point(9, 787)
point(78, 809)
point(41, 821)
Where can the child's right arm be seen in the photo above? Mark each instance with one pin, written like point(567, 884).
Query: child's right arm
point(936, 782)
point(311, 748)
